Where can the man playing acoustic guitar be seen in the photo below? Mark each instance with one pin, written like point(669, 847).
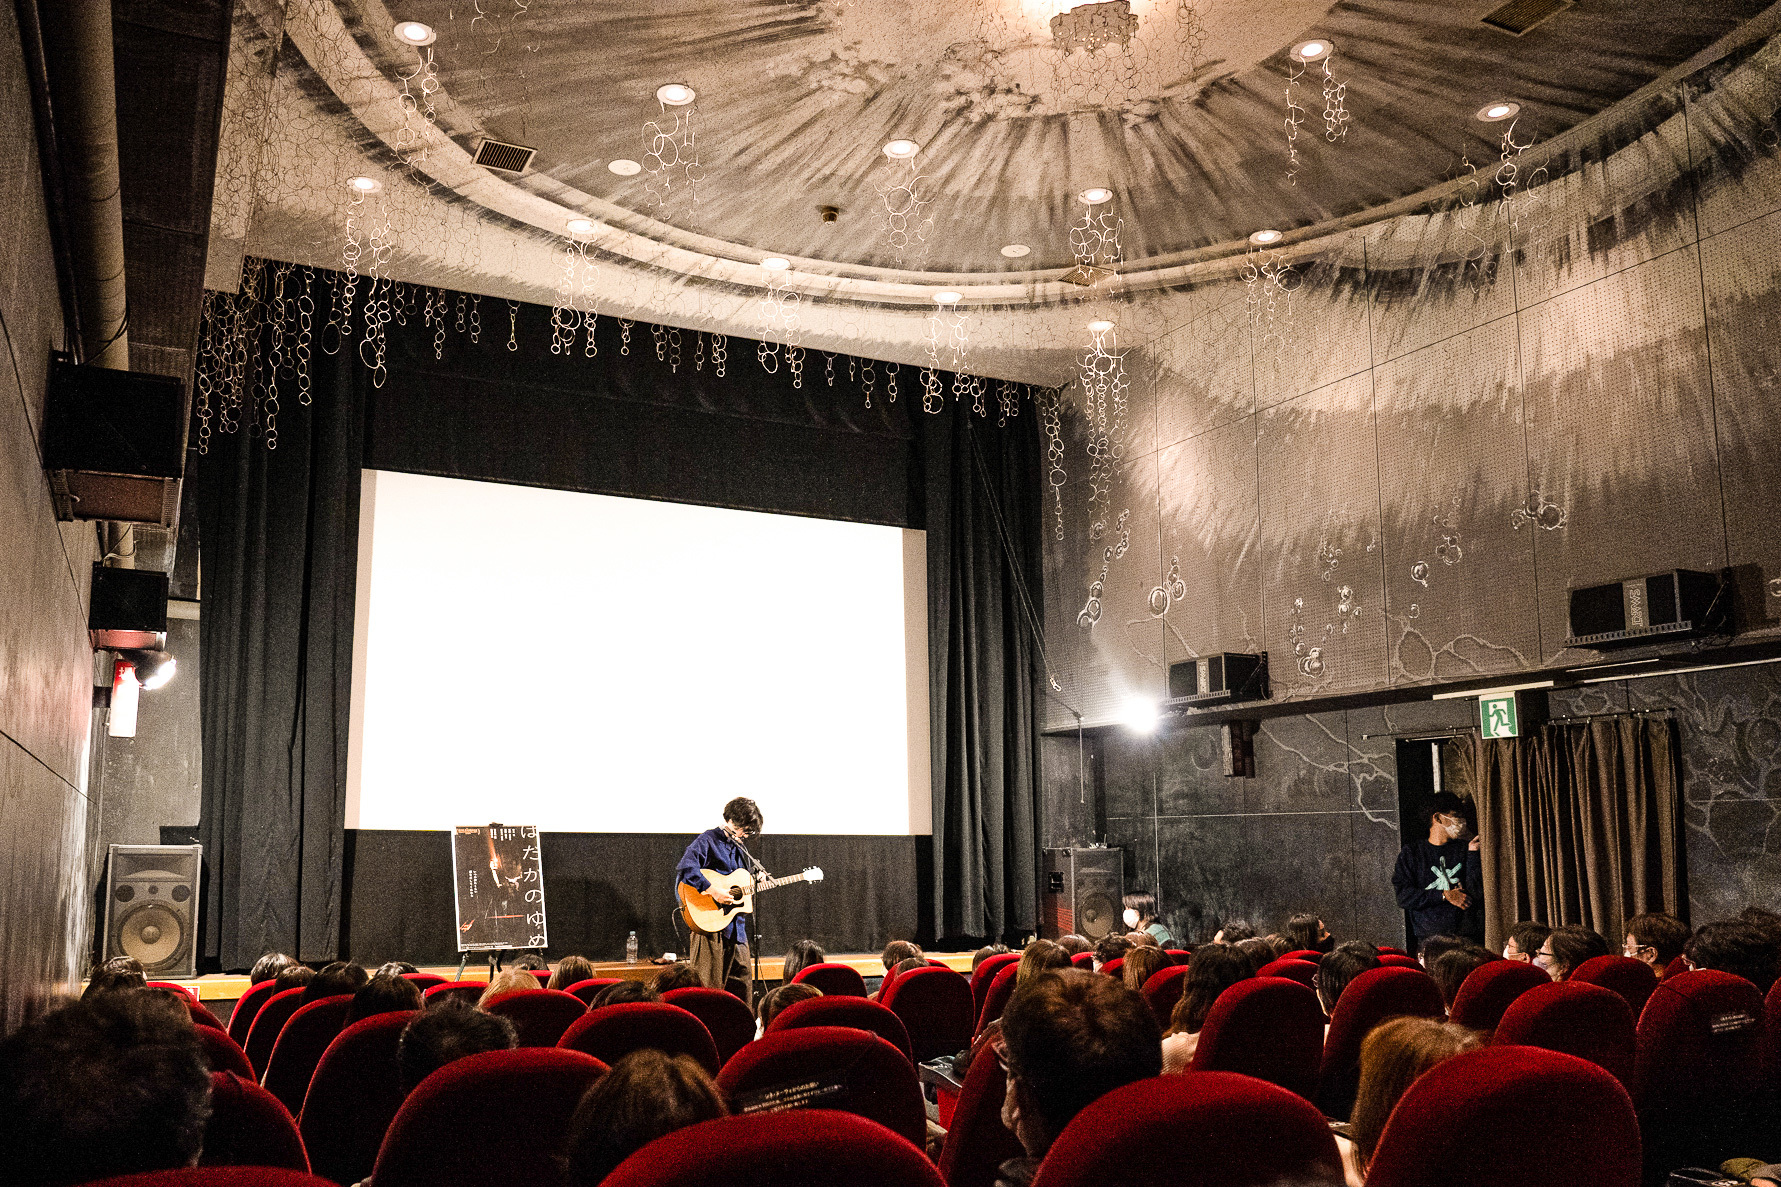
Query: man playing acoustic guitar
point(722, 958)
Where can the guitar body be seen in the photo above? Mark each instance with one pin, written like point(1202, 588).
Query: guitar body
point(706, 914)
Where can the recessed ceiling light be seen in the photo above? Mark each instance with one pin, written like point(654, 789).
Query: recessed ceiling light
point(901, 150)
point(581, 226)
point(948, 297)
point(1502, 109)
point(364, 185)
point(1015, 250)
point(776, 263)
point(676, 94)
point(1263, 238)
point(1095, 195)
point(415, 33)
point(1100, 327)
point(624, 167)
point(1315, 50)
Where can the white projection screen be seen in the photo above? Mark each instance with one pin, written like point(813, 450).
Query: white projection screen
point(586, 663)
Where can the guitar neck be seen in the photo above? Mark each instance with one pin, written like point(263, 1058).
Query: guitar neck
point(770, 883)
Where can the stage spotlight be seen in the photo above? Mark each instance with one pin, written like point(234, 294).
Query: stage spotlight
point(1139, 715)
point(153, 668)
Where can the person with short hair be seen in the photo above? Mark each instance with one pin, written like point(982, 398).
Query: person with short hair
point(623, 992)
point(337, 979)
point(774, 1002)
point(910, 965)
point(1074, 944)
point(985, 952)
point(1656, 939)
point(1432, 948)
point(1068, 1038)
point(1142, 939)
point(1214, 969)
point(118, 973)
point(1392, 1056)
point(1110, 949)
point(1038, 957)
point(799, 957)
point(296, 976)
point(1140, 915)
point(269, 966)
point(679, 975)
point(1736, 946)
point(723, 958)
point(1525, 939)
point(1233, 931)
point(896, 952)
point(383, 994)
point(647, 1094)
point(449, 1032)
point(1338, 967)
point(1306, 933)
point(1439, 879)
point(1257, 949)
point(571, 970)
point(393, 968)
point(114, 1084)
point(1566, 948)
point(1452, 967)
point(531, 962)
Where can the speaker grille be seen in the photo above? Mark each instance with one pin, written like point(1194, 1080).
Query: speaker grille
point(508, 158)
point(1518, 16)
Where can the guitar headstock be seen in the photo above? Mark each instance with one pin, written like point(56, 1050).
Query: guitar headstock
point(813, 874)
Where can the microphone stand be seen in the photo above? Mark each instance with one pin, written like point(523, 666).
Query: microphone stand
point(754, 921)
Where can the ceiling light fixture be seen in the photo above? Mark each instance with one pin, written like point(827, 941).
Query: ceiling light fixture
point(1263, 238)
point(901, 150)
point(948, 297)
point(1502, 109)
point(1312, 51)
point(581, 226)
point(1095, 195)
point(1100, 327)
point(624, 167)
point(415, 33)
point(364, 185)
point(776, 263)
point(1015, 250)
point(676, 94)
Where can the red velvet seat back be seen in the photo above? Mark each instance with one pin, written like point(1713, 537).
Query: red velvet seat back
point(1179, 955)
point(1675, 968)
point(353, 1096)
point(1392, 960)
point(539, 1015)
point(1163, 991)
point(201, 1016)
point(241, 1018)
point(832, 979)
point(587, 990)
point(609, 1033)
point(1771, 1051)
point(1370, 999)
point(300, 1046)
point(1267, 1027)
point(470, 991)
point(187, 991)
point(248, 1127)
point(799, 1148)
point(984, 975)
point(730, 1022)
point(222, 1053)
point(1579, 1019)
point(1632, 979)
point(1302, 971)
point(1112, 968)
point(1454, 1126)
point(976, 1140)
point(1699, 1040)
point(542, 976)
point(263, 1035)
point(216, 1176)
point(506, 1109)
point(1489, 989)
point(1310, 954)
point(856, 1012)
point(996, 1000)
point(855, 1071)
point(1209, 1129)
point(1084, 960)
point(424, 981)
point(935, 1006)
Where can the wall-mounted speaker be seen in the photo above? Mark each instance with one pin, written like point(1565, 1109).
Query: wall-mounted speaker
point(1084, 889)
point(1213, 679)
point(127, 609)
point(151, 907)
point(114, 443)
point(1624, 613)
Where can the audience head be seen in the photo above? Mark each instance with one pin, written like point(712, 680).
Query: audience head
point(269, 966)
point(1306, 932)
point(1655, 938)
point(1234, 931)
point(777, 1000)
point(1338, 967)
point(335, 980)
point(1068, 1038)
point(296, 976)
point(571, 970)
point(801, 956)
point(745, 814)
point(985, 952)
point(383, 994)
point(646, 1095)
point(449, 1031)
point(531, 962)
point(1434, 946)
point(1525, 939)
point(896, 952)
point(625, 991)
point(1214, 969)
point(1278, 945)
point(679, 975)
point(1446, 812)
point(111, 1085)
point(509, 981)
point(1111, 948)
point(1453, 966)
point(1391, 1057)
point(120, 972)
point(1735, 946)
point(1142, 939)
point(1041, 956)
point(1140, 965)
point(1566, 948)
point(394, 968)
point(1768, 921)
point(1258, 950)
point(1140, 910)
point(1074, 944)
point(910, 965)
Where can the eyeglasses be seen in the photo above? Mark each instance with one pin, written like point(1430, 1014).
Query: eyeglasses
point(1633, 950)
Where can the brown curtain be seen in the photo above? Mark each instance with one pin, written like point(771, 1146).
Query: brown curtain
point(1581, 823)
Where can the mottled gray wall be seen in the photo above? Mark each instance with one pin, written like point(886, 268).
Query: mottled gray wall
point(45, 664)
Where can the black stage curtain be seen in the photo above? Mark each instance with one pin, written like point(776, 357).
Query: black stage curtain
point(984, 567)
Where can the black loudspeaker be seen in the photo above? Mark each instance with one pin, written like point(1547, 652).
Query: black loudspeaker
point(1211, 679)
point(151, 907)
point(128, 609)
point(1623, 613)
point(1084, 889)
point(114, 444)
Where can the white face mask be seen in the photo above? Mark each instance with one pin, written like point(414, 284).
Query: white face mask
point(1453, 830)
point(1131, 918)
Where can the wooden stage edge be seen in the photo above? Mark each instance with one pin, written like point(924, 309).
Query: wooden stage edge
point(230, 986)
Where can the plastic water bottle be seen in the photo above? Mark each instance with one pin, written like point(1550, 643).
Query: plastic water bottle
point(631, 949)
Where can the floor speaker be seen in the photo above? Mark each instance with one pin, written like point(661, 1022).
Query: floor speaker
point(1084, 889)
point(151, 907)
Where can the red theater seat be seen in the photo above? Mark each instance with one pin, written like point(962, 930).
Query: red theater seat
point(263, 1035)
point(587, 990)
point(506, 1109)
point(1084, 960)
point(935, 1006)
point(539, 1015)
point(976, 1140)
point(1370, 999)
point(424, 981)
point(1386, 950)
point(203, 1017)
point(300, 1046)
point(853, 1071)
point(996, 1000)
point(1267, 1027)
point(730, 1022)
point(241, 1018)
point(1163, 991)
point(543, 976)
point(800, 1148)
point(353, 1096)
point(222, 1053)
point(1310, 954)
point(216, 1176)
point(1697, 1066)
point(1391, 960)
point(832, 979)
point(1584, 1020)
point(1302, 971)
point(1632, 979)
point(1179, 955)
point(470, 991)
point(1208, 1129)
point(1113, 967)
point(1453, 1126)
point(609, 1033)
point(856, 1012)
point(1489, 989)
point(1771, 1059)
point(1675, 968)
point(984, 975)
point(186, 990)
point(248, 1127)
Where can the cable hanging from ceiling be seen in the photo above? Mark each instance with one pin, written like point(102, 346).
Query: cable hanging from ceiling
point(672, 171)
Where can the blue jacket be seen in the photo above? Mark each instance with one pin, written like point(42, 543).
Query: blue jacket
point(713, 850)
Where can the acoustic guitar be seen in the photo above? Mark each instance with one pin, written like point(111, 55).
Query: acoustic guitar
point(706, 914)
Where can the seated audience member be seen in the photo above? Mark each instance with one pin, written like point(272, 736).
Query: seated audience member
point(985, 952)
point(1140, 915)
point(1338, 967)
point(1567, 947)
point(334, 980)
point(802, 955)
point(896, 952)
point(120, 972)
point(1306, 933)
point(1433, 947)
point(1214, 969)
point(383, 994)
point(1111, 948)
point(1525, 939)
point(1258, 950)
point(531, 962)
point(1140, 965)
point(1735, 946)
point(1074, 944)
point(1768, 921)
point(1452, 967)
point(510, 981)
point(679, 975)
point(571, 970)
point(393, 968)
point(111, 1085)
point(1234, 931)
point(449, 1031)
point(910, 965)
point(624, 991)
point(1278, 946)
point(269, 966)
point(1040, 956)
point(1068, 1038)
point(1142, 939)
point(296, 976)
point(1391, 1057)
point(646, 1095)
point(776, 1000)
point(1656, 939)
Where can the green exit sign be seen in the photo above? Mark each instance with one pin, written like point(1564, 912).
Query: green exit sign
point(1497, 716)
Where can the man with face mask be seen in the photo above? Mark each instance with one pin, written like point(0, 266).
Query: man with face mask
point(1439, 879)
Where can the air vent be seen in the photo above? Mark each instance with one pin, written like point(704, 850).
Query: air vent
point(1518, 16)
point(508, 158)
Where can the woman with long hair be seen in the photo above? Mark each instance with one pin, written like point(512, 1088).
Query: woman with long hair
point(1213, 969)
